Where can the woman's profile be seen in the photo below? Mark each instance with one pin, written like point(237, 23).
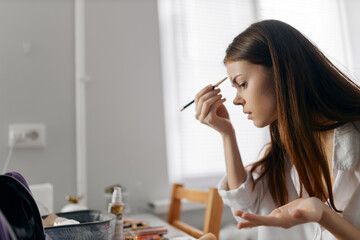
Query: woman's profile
point(307, 184)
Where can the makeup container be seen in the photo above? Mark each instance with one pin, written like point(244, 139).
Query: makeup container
point(116, 207)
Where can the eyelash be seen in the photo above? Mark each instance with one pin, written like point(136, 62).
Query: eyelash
point(242, 85)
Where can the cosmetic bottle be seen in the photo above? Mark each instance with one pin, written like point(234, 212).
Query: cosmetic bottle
point(117, 207)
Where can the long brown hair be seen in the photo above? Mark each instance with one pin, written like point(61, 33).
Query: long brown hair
point(307, 86)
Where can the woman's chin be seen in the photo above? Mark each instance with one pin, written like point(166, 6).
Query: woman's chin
point(259, 124)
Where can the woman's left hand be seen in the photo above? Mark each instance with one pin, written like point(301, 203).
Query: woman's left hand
point(300, 211)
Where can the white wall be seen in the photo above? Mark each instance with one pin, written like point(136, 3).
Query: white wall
point(38, 87)
point(126, 139)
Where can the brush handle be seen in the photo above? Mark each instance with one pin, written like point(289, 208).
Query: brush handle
point(213, 87)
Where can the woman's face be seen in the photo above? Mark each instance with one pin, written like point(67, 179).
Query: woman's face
point(255, 91)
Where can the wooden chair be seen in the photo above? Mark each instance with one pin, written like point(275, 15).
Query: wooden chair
point(213, 211)
point(208, 236)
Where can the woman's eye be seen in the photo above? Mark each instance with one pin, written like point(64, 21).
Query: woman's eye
point(239, 85)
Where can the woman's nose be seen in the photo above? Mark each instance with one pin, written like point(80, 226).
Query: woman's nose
point(238, 100)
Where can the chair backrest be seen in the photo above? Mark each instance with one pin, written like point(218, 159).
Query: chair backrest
point(213, 211)
point(208, 236)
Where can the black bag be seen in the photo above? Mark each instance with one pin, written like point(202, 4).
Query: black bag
point(19, 209)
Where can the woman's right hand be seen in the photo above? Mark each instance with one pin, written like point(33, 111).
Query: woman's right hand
point(211, 111)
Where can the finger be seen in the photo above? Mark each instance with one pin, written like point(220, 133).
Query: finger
point(245, 225)
point(261, 220)
point(213, 109)
point(246, 215)
point(207, 105)
point(212, 115)
point(254, 220)
point(202, 92)
point(238, 213)
point(203, 99)
point(197, 98)
point(217, 104)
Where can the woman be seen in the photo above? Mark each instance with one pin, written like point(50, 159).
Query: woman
point(306, 186)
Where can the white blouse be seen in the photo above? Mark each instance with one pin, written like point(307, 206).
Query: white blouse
point(346, 190)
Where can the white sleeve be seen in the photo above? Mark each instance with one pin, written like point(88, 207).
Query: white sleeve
point(244, 197)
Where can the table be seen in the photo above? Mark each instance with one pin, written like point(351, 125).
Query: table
point(154, 221)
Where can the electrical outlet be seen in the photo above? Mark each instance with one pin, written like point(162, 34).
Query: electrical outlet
point(27, 135)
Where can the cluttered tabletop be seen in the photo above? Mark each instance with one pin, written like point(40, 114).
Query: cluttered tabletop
point(94, 224)
point(113, 224)
point(147, 224)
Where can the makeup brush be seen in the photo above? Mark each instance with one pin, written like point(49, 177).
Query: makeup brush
point(213, 87)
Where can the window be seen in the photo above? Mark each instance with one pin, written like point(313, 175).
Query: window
point(194, 37)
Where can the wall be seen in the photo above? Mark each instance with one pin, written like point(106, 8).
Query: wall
point(126, 139)
point(37, 86)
